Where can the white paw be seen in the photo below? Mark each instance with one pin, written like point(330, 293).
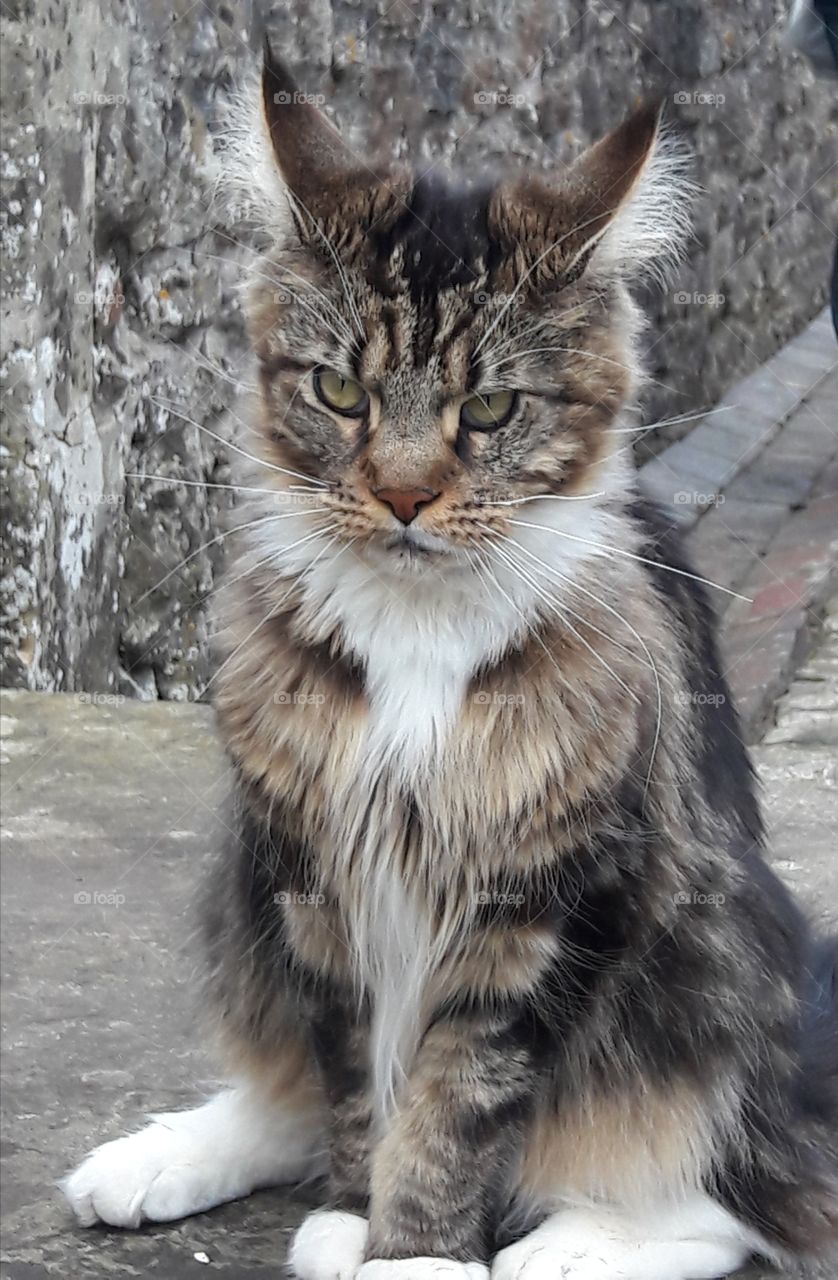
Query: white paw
point(329, 1246)
point(532, 1259)
point(423, 1269)
point(148, 1175)
point(578, 1245)
point(189, 1161)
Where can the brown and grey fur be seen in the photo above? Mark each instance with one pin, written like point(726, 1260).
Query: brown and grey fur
point(600, 992)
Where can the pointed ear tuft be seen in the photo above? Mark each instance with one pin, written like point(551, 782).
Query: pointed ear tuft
point(621, 208)
point(309, 151)
point(282, 167)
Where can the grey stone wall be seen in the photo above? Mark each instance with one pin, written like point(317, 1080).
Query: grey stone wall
point(120, 289)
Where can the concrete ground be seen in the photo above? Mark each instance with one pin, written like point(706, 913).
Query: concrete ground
point(110, 812)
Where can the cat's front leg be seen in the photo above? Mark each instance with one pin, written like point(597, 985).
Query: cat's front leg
point(330, 1244)
point(437, 1176)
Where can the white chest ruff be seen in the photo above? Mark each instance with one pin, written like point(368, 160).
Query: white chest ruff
point(420, 641)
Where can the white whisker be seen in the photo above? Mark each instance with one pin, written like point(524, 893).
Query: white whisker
point(276, 284)
point(537, 263)
point(342, 276)
point(260, 462)
point(560, 610)
point(671, 422)
point(546, 497)
point(631, 555)
point(237, 488)
point(219, 537)
point(275, 607)
point(251, 568)
point(576, 586)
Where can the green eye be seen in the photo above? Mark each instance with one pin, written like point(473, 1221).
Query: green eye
point(487, 410)
point(343, 395)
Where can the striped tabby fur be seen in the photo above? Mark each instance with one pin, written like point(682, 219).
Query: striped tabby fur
point(495, 908)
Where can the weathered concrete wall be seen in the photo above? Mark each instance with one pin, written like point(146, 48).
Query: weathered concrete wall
point(120, 293)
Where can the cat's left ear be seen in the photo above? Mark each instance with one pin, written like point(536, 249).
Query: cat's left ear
point(622, 209)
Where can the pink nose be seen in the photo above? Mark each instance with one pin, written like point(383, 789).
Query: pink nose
point(405, 503)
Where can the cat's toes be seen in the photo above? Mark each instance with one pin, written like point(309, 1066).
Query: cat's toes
point(596, 1258)
point(423, 1269)
point(329, 1246)
point(537, 1261)
point(155, 1175)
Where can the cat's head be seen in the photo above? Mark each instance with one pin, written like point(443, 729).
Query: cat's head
point(434, 353)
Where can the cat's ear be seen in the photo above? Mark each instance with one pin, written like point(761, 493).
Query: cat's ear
point(622, 208)
point(309, 153)
point(282, 167)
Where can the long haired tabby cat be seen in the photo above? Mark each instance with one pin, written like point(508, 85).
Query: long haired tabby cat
point(494, 944)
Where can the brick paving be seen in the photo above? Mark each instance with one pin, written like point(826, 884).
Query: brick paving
point(754, 487)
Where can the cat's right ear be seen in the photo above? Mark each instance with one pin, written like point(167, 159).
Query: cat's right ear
point(282, 168)
point(312, 159)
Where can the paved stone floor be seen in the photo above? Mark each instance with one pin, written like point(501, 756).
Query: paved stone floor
point(111, 811)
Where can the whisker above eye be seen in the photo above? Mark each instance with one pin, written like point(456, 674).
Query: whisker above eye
point(576, 351)
point(271, 280)
point(344, 279)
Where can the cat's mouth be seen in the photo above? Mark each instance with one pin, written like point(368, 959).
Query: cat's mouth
point(416, 544)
